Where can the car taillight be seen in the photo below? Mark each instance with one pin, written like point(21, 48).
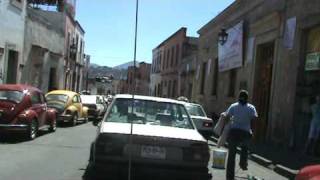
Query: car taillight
point(207, 124)
point(196, 152)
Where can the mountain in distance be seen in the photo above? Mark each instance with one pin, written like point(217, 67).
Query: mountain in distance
point(126, 65)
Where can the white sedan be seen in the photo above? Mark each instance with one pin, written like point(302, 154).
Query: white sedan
point(203, 123)
point(153, 136)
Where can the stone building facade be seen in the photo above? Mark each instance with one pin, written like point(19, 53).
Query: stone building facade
point(43, 53)
point(138, 82)
point(12, 26)
point(277, 41)
point(167, 58)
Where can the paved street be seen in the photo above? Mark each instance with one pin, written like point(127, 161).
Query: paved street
point(63, 155)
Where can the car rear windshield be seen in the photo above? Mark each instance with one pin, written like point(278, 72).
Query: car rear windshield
point(150, 113)
point(195, 110)
point(14, 96)
point(57, 97)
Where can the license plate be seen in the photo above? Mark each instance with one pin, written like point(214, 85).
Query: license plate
point(153, 152)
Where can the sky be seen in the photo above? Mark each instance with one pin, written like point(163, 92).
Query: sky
point(109, 25)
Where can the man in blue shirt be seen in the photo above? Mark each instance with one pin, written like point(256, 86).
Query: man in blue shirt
point(240, 114)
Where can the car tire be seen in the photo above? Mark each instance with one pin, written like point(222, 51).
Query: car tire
point(32, 130)
point(74, 119)
point(53, 126)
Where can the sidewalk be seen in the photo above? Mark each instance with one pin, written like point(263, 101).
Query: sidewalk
point(280, 160)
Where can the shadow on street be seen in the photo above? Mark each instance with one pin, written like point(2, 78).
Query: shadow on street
point(15, 138)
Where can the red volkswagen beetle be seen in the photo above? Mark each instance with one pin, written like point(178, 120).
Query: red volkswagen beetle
point(23, 109)
point(311, 172)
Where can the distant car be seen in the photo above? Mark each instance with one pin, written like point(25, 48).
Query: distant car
point(68, 106)
point(309, 173)
point(203, 123)
point(95, 104)
point(164, 141)
point(23, 108)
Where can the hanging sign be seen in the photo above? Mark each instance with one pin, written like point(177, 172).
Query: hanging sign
point(231, 52)
point(312, 62)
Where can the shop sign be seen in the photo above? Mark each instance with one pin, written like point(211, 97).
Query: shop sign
point(231, 52)
point(313, 62)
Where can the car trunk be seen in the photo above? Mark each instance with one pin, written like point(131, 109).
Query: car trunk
point(154, 145)
point(8, 111)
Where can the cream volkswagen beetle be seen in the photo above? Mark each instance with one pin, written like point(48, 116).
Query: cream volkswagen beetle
point(164, 142)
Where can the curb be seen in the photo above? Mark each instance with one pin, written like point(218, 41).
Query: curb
point(284, 171)
point(261, 160)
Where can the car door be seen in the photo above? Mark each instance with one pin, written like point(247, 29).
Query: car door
point(37, 106)
point(76, 101)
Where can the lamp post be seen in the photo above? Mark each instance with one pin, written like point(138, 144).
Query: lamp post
point(222, 36)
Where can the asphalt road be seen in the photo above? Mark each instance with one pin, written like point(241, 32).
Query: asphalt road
point(63, 155)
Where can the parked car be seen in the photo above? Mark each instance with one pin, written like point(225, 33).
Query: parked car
point(203, 123)
point(68, 106)
point(95, 104)
point(164, 141)
point(23, 109)
point(309, 173)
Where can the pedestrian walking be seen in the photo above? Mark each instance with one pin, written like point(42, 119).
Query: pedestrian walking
point(241, 114)
point(314, 130)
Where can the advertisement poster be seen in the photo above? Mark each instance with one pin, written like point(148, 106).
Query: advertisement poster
point(288, 40)
point(250, 50)
point(231, 52)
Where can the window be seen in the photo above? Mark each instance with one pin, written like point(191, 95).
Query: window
point(232, 82)
point(169, 89)
point(75, 99)
point(203, 77)
point(149, 112)
point(215, 78)
point(172, 56)
point(168, 58)
point(35, 98)
point(177, 54)
point(174, 87)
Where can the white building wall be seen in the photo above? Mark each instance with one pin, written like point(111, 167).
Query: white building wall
point(12, 24)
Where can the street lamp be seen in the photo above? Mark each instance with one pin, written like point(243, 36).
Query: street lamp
point(222, 36)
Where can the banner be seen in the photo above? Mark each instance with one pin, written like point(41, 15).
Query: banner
point(231, 52)
point(288, 40)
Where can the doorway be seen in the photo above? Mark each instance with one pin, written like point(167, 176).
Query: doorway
point(12, 68)
point(52, 79)
point(262, 88)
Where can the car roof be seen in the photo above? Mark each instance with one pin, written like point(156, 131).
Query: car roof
point(148, 98)
point(19, 87)
point(193, 104)
point(66, 92)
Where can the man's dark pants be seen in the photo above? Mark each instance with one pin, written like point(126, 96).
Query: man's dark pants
point(236, 138)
